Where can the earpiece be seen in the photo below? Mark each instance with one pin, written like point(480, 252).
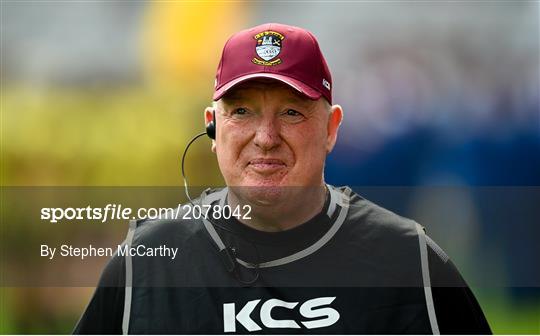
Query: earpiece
point(227, 254)
point(211, 127)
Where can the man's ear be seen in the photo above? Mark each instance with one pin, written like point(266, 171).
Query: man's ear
point(334, 120)
point(208, 118)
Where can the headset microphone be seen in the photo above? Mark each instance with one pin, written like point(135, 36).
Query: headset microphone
point(227, 255)
point(211, 132)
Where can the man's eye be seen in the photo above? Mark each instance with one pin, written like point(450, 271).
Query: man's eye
point(240, 111)
point(292, 113)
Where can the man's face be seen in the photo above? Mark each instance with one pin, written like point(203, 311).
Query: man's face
point(269, 136)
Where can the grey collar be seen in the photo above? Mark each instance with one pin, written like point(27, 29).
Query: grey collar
point(339, 201)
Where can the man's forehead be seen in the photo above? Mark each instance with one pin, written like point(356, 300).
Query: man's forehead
point(249, 89)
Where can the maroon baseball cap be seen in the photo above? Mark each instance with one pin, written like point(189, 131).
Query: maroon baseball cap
point(272, 50)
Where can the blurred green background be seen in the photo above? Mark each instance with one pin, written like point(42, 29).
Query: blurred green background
point(109, 93)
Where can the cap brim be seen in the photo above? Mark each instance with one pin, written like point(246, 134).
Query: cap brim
point(294, 83)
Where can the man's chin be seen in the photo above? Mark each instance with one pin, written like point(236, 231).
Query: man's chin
point(263, 192)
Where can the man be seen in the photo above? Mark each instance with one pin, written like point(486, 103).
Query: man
point(301, 256)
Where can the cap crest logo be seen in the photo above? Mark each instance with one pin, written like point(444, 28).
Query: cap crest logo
point(268, 48)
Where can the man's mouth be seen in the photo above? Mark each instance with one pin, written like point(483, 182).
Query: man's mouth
point(266, 166)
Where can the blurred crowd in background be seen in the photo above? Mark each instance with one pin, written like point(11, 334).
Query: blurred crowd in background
point(437, 96)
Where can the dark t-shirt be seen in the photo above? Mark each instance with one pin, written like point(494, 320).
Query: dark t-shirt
point(371, 309)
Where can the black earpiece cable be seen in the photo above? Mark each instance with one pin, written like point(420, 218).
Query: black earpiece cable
point(236, 273)
point(184, 159)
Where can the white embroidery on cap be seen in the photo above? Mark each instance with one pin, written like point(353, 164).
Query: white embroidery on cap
point(326, 84)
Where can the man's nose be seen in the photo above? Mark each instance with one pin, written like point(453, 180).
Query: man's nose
point(267, 135)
